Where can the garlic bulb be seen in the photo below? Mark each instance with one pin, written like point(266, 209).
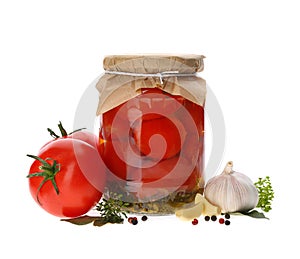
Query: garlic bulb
point(231, 191)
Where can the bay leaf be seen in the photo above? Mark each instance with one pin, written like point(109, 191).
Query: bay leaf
point(255, 214)
point(82, 220)
point(100, 222)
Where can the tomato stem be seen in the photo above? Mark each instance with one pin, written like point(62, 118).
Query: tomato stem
point(62, 130)
point(76, 131)
point(48, 171)
point(53, 134)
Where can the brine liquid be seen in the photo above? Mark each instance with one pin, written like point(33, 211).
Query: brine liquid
point(153, 148)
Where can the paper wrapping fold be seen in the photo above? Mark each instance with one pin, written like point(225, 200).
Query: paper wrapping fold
point(117, 89)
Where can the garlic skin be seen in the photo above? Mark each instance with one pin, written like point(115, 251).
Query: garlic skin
point(231, 191)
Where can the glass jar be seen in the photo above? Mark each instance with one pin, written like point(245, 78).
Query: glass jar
point(151, 130)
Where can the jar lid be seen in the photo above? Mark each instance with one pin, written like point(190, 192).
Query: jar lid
point(135, 72)
point(154, 63)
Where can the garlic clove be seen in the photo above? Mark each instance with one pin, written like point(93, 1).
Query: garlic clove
point(208, 208)
point(200, 207)
point(188, 214)
point(199, 198)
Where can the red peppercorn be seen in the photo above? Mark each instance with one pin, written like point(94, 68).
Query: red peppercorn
point(130, 219)
point(195, 222)
point(221, 221)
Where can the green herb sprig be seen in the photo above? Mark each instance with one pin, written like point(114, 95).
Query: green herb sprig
point(112, 210)
point(265, 193)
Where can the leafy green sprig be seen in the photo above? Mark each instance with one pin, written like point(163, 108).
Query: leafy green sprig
point(265, 193)
point(112, 210)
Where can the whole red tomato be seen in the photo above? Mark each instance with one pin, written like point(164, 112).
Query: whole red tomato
point(155, 103)
point(115, 124)
point(67, 177)
point(170, 175)
point(114, 155)
point(181, 169)
point(123, 159)
point(197, 114)
point(192, 147)
point(159, 138)
point(87, 137)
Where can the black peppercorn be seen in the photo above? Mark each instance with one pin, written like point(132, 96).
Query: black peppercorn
point(227, 216)
point(134, 221)
point(213, 218)
point(207, 218)
point(227, 222)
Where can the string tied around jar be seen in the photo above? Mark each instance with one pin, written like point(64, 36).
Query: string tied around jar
point(159, 75)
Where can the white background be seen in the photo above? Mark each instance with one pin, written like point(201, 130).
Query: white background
point(52, 50)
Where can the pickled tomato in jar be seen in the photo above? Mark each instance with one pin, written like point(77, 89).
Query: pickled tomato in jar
point(151, 130)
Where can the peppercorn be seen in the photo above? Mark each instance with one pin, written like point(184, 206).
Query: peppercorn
point(195, 222)
point(207, 218)
point(227, 222)
point(134, 221)
point(227, 216)
point(144, 218)
point(213, 217)
point(130, 219)
point(221, 221)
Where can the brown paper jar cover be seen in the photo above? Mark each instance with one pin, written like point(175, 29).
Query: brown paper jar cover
point(115, 89)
